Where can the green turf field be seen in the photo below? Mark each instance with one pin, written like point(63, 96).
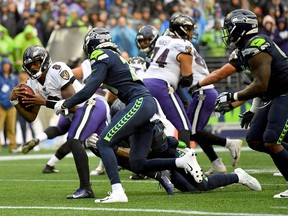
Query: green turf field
point(26, 191)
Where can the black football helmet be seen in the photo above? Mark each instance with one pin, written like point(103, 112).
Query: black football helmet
point(94, 38)
point(36, 53)
point(138, 63)
point(179, 25)
point(147, 32)
point(239, 25)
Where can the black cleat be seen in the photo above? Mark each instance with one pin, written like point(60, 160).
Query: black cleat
point(81, 193)
point(135, 176)
point(49, 169)
point(29, 145)
point(165, 182)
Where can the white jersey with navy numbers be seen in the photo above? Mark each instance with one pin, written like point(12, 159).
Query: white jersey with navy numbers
point(199, 69)
point(164, 64)
point(58, 76)
point(86, 70)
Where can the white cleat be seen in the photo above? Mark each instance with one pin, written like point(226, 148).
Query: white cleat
point(277, 174)
point(234, 147)
point(113, 198)
point(247, 180)
point(98, 171)
point(217, 167)
point(281, 195)
point(191, 165)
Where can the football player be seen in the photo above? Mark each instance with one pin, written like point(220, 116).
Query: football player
point(166, 147)
point(146, 38)
point(133, 122)
point(170, 65)
point(55, 81)
point(268, 71)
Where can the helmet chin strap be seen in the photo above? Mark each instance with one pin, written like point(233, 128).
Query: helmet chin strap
point(36, 75)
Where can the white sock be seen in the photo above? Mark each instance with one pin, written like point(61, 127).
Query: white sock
point(42, 137)
point(53, 161)
point(179, 162)
point(117, 188)
point(228, 142)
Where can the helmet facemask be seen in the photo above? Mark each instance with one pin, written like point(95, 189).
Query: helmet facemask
point(239, 25)
point(32, 55)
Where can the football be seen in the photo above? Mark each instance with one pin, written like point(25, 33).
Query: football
point(29, 90)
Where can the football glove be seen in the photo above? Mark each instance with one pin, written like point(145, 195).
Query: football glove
point(224, 102)
point(246, 119)
point(194, 88)
point(59, 108)
point(91, 141)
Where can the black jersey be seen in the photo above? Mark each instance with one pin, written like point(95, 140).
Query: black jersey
point(278, 83)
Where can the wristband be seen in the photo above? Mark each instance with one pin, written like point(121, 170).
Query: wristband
point(235, 96)
point(50, 104)
point(14, 102)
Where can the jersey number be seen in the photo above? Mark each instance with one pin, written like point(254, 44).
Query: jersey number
point(161, 60)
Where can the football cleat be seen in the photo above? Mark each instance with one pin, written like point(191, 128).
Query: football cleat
point(113, 198)
point(81, 193)
point(234, 147)
point(29, 145)
point(98, 171)
point(165, 182)
point(49, 169)
point(135, 176)
point(281, 195)
point(247, 180)
point(277, 174)
point(217, 167)
point(191, 165)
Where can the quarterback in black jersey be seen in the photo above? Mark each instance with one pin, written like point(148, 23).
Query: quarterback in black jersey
point(133, 122)
point(268, 71)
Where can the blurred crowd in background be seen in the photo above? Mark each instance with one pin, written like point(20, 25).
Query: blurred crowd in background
point(30, 22)
point(124, 17)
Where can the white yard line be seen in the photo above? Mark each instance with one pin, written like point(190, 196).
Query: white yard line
point(138, 210)
point(46, 156)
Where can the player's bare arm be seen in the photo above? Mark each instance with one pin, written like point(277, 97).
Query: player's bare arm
point(260, 66)
point(217, 75)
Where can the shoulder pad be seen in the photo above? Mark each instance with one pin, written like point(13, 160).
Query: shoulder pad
point(98, 54)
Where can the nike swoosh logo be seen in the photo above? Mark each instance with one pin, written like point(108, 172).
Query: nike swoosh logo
point(77, 196)
point(191, 168)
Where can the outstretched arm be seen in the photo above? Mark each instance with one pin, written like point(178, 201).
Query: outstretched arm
point(96, 78)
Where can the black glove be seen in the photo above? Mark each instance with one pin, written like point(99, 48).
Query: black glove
point(194, 88)
point(246, 119)
point(224, 102)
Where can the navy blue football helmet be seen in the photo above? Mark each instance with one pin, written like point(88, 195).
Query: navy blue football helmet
point(94, 38)
point(239, 25)
point(147, 32)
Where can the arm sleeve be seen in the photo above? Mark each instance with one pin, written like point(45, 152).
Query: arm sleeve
point(96, 78)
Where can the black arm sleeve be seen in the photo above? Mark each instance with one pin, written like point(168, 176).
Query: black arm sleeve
point(96, 78)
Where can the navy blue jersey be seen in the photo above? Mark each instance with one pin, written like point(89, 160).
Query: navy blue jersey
point(109, 68)
point(278, 82)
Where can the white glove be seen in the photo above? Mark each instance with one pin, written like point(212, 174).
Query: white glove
point(60, 109)
point(91, 141)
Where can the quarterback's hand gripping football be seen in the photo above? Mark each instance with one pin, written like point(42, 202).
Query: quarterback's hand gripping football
point(59, 108)
point(224, 102)
point(246, 119)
